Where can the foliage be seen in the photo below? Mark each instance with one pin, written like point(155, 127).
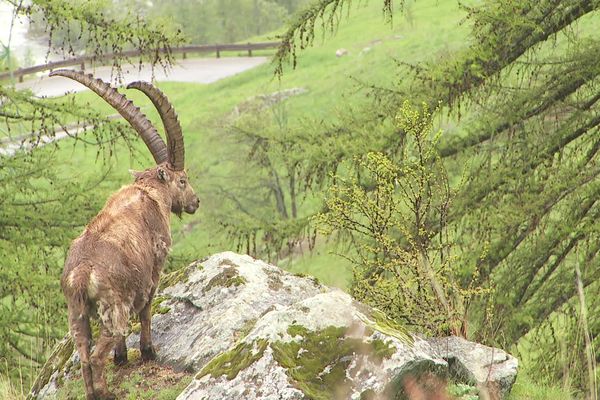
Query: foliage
point(97, 28)
point(201, 22)
point(395, 216)
point(524, 93)
point(301, 31)
point(268, 199)
point(222, 21)
point(270, 205)
point(7, 60)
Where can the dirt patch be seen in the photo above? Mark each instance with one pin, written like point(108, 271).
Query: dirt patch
point(148, 378)
point(135, 380)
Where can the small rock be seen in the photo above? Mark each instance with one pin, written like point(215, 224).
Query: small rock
point(485, 367)
point(341, 53)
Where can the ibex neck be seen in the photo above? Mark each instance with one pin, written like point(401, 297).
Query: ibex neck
point(160, 195)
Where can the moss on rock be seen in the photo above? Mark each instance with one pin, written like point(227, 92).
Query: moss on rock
point(378, 321)
point(462, 391)
point(317, 363)
point(157, 308)
point(136, 327)
point(230, 276)
point(382, 350)
point(58, 361)
point(314, 279)
point(233, 361)
point(177, 276)
point(368, 394)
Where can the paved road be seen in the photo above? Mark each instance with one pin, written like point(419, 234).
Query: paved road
point(202, 70)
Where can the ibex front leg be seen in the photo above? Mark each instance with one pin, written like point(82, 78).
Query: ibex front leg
point(146, 348)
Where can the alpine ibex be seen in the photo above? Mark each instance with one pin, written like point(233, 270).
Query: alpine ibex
point(113, 268)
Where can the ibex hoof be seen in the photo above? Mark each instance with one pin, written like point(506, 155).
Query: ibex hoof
point(148, 353)
point(105, 396)
point(120, 359)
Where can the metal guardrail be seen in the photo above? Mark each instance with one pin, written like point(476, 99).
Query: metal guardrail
point(185, 50)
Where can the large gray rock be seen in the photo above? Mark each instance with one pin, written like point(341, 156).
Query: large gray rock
point(217, 304)
point(249, 330)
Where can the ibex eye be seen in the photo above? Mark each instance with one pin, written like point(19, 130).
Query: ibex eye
point(182, 181)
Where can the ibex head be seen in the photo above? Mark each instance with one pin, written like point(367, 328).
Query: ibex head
point(169, 157)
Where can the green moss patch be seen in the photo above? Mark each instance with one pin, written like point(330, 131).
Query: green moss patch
point(233, 361)
point(378, 321)
point(157, 307)
point(314, 280)
point(368, 394)
point(226, 278)
point(180, 275)
point(136, 327)
point(317, 363)
point(382, 349)
point(59, 360)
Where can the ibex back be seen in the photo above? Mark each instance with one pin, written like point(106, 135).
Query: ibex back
point(112, 270)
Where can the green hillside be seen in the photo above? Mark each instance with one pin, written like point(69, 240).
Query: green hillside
point(334, 85)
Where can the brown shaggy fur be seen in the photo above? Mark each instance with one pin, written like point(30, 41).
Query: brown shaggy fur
point(113, 268)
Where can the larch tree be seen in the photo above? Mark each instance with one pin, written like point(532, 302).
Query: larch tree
point(524, 94)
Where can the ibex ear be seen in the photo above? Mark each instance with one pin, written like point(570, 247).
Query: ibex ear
point(135, 174)
point(162, 174)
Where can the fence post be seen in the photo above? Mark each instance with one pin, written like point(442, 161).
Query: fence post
point(184, 55)
point(249, 50)
point(21, 78)
point(218, 52)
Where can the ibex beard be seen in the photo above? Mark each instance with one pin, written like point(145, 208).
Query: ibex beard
point(113, 268)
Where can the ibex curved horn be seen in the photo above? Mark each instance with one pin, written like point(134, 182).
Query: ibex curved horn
point(125, 107)
point(170, 122)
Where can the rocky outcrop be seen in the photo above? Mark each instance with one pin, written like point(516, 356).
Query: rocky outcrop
point(247, 329)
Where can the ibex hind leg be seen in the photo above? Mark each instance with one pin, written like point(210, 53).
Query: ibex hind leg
point(104, 345)
point(120, 351)
point(79, 324)
point(114, 317)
